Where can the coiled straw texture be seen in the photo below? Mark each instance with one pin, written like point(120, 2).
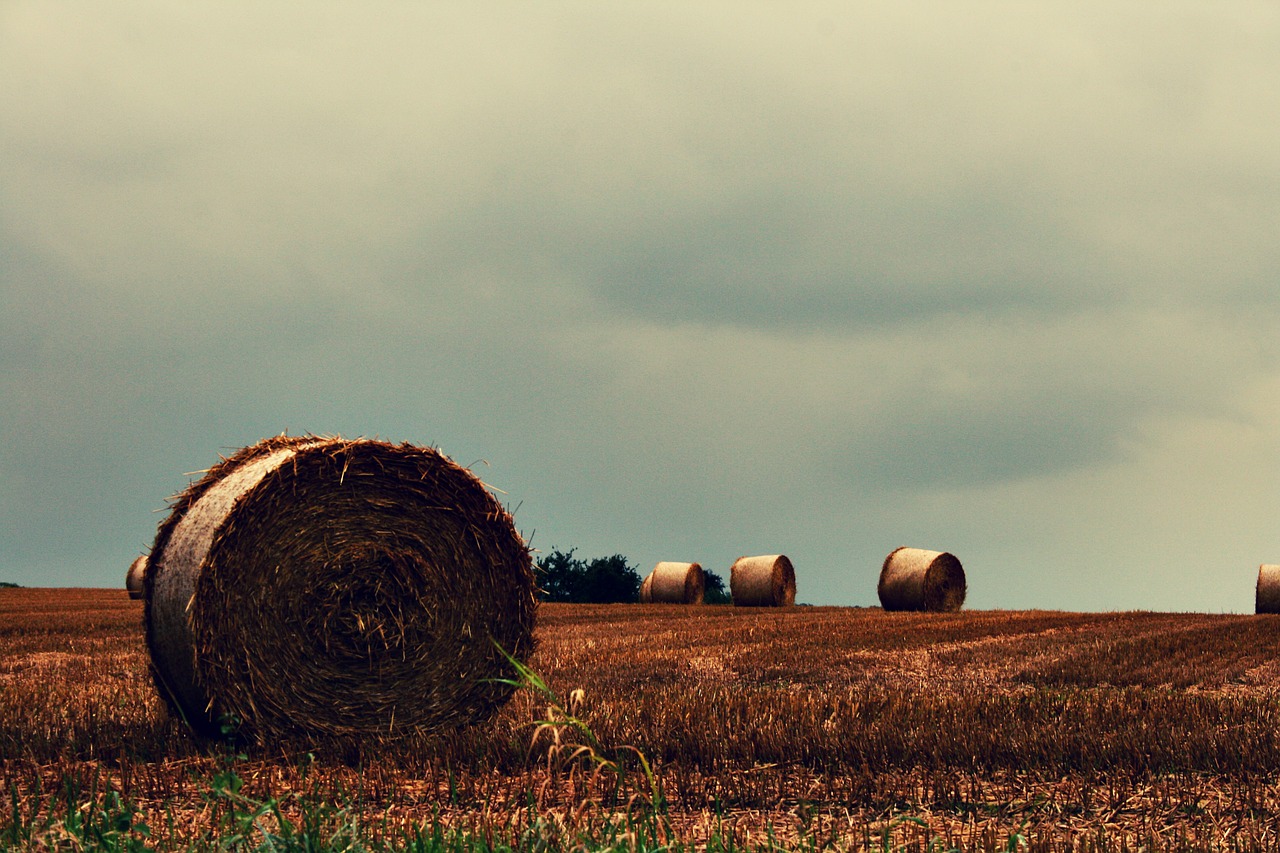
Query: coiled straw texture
point(916, 579)
point(322, 587)
point(674, 583)
point(768, 581)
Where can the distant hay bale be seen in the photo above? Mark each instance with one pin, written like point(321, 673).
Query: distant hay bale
point(1267, 599)
point(136, 576)
point(768, 581)
point(311, 587)
point(674, 583)
point(915, 579)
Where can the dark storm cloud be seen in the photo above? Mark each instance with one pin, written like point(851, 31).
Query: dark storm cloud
point(781, 263)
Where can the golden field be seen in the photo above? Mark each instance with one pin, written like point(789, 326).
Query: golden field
point(848, 728)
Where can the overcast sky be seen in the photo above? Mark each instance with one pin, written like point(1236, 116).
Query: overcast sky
point(685, 281)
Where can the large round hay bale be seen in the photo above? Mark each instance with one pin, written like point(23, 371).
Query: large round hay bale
point(1267, 598)
point(135, 577)
point(768, 581)
point(915, 579)
point(322, 587)
point(674, 583)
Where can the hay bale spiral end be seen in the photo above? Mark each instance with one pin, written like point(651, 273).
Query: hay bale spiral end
point(135, 577)
point(766, 581)
point(674, 583)
point(1267, 594)
point(314, 586)
point(916, 579)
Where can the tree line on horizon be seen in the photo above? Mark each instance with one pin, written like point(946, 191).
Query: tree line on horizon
point(563, 577)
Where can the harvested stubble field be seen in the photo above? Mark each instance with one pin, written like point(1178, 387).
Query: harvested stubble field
point(848, 726)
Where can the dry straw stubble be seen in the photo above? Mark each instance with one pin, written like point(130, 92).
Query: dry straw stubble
point(323, 587)
point(674, 583)
point(765, 581)
point(916, 579)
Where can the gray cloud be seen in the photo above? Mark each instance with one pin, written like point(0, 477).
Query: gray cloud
point(998, 279)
